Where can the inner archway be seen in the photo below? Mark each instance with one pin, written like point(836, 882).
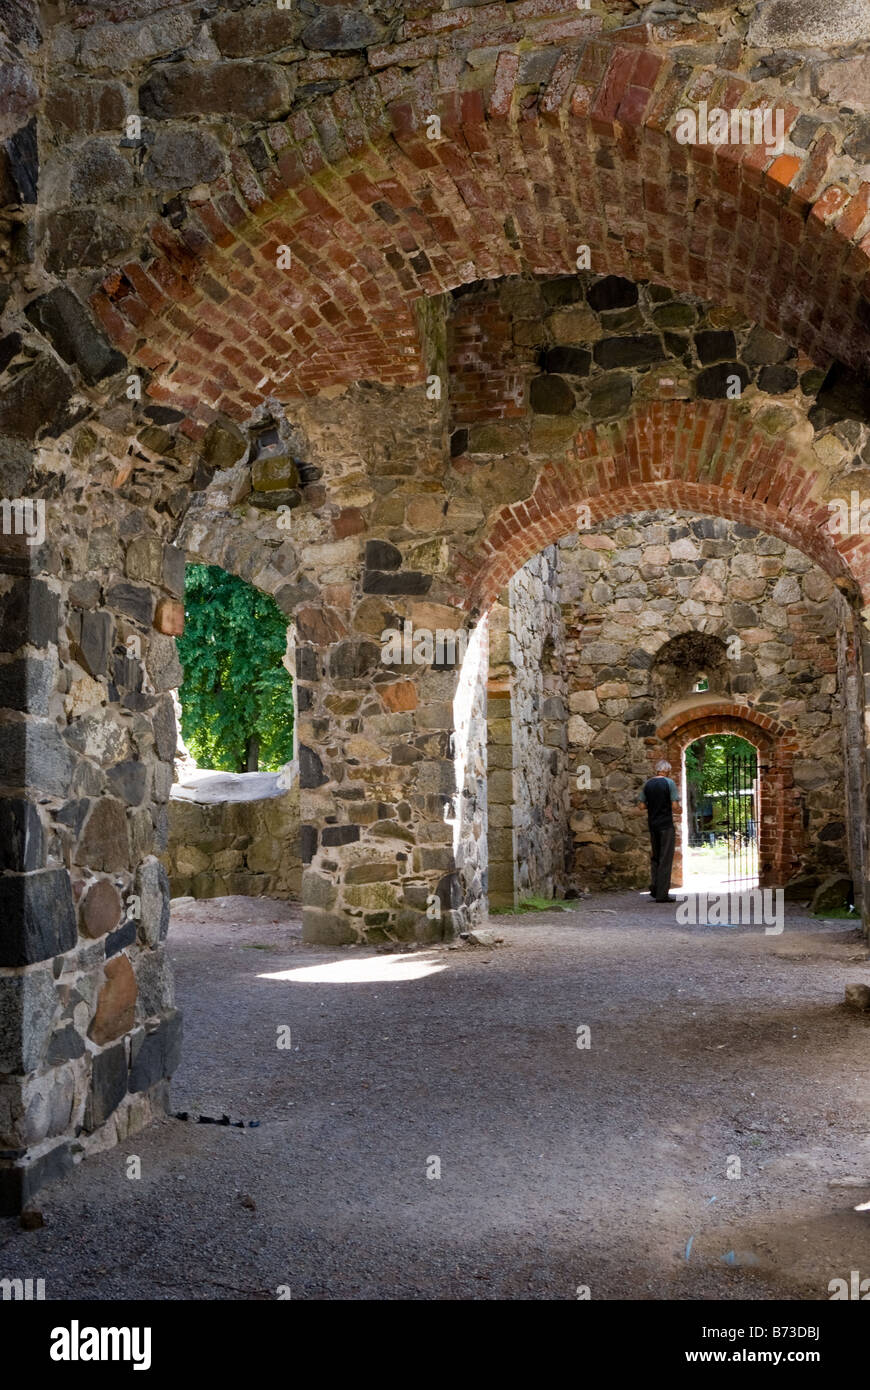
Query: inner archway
point(780, 828)
point(628, 643)
point(721, 798)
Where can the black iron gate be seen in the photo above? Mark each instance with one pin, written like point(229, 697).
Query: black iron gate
point(741, 819)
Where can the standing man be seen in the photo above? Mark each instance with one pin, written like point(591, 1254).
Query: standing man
point(660, 796)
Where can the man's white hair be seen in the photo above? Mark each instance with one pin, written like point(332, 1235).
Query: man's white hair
point(663, 766)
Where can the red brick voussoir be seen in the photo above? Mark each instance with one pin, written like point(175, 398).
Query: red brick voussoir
point(376, 215)
point(705, 456)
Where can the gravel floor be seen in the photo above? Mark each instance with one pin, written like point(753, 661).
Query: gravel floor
point(560, 1166)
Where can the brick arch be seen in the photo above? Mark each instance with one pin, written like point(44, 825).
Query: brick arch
point(704, 456)
point(765, 728)
point(377, 216)
point(780, 826)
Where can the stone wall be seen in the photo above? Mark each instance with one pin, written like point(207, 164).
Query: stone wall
point(634, 601)
point(528, 783)
point(463, 890)
point(228, 837)
point(851, 691)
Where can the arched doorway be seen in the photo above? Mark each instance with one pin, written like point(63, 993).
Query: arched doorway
point(779, 811)
point(721, 799)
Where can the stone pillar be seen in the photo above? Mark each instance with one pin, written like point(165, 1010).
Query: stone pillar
point(501, 840)
point(530, 837)
point(87, 737)
point(37, 912)
point(469, 818)
point(864, 668)
point(851, 683)
point(500, 795)
point(391, 774)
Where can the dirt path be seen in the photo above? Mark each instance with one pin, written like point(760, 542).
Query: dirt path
point(559, 1166)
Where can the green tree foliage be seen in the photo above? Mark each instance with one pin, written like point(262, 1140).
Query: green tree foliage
point(707, 779)
point(237, 697)
point(706, 762)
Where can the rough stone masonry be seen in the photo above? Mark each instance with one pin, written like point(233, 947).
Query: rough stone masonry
point(261, 309)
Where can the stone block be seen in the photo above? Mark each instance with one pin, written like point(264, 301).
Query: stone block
point(28, 1005)
point(35, 402)
point(808, 23)
point(500, 786)
point(609, 395)
point(354, 660)
point(49, 1102)
point(181, 157)
point(165, 730)
point(100, 909)
point(341, 28)
point(95, 643)
point(152, 888)
point(65, 1045)
point(161, 661)
point(73, 334)
point(108, 1085)
point(156, 983)
point(99, 737)
point(256, 29)
point(223, 445)
point(550, 394)
point(28, 684)
point(104, 844)
point(611, 292)
point(37, 917)
point(263, 857)
point(82, 238)
point(134, 601)
point(372, 896)
point(274, 470)
point(128, 780)
point(119, 940)
point(169, 618)
point(638, 350)
point(577, 324)
point(83, 107)
point(254, 91)
point(714, 383)
point(22, 841)
point(157, 1055)
point(144, 559)
point(116, 1002)
point(21, 152)
point(408, 582)
point(333, 835)
point(327, 928)
point(835, 891)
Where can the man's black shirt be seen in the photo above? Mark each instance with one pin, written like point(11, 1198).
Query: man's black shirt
point(659, 793)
